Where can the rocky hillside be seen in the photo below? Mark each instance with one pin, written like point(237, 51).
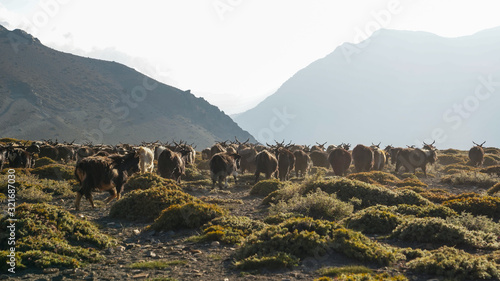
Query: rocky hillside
point(46, 94)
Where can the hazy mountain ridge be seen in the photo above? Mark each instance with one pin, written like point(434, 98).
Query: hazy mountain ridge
point(49, 94)
point(396, 87)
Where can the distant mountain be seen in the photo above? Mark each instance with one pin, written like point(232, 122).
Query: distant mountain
point(396, 87)
point(46, 94)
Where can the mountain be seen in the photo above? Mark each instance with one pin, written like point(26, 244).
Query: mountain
point(46, 94)
point(396, 87)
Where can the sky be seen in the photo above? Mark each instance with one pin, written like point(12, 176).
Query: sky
point(233, 53)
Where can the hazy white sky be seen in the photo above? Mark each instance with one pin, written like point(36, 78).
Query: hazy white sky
point(233, 53)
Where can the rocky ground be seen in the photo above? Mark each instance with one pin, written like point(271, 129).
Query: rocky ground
point(188, 261)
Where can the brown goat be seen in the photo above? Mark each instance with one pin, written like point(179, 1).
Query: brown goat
point(476, 155)
point(265, 162)
point(363, 158)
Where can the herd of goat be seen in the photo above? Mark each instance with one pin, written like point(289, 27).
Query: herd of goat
point(106, 168)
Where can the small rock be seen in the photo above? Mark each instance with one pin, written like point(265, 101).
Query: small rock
point(193, 259)
point(152, 254)
point(50, 270)
point(196, 252)
point(137, 231)
point(215, 243)
point(81, 216)
point(111, 223)
point(121, 248)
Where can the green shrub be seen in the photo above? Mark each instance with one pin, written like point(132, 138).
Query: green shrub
point(377, 219)
point(193, 174)
point(54, 172)
point(336, 271)
point(455, 264)
point(411, 182)
point(44, 161)
point(303, 237)
point(491, 160)
point(34, 195)
point(477, 205)
point(455, 168)
point(275, 261)
point(368, 193)
point(447, 159)
point(146, 205)
point(281, 217)
point(284, 193)
point(318, 205)
point(471, 222)
point(437, 211)
point(264, 187)
point(470, 178)
point(48, 236)
point(188, 215)
point(451, 151)
point(437, 230)
point(230, 229)
point(375, 177)
point(149, 180)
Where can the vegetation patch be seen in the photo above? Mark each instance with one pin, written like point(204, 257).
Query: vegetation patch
point(470, 178)
point(368, 193)
point(264, 187)
point(303, 237)
point(159, 264)
point(455, 264)
point(476, 205)
point(456, 168)
point(375, 177)
point(491, 160)
point(447, 159)
point(146, 205)
point(411, 181)
point(364, 277)
point(44, 161)
point(437, 211)
point(49, 236)
point(471, 222)
point(318, 205)
point(54, 172)
point(230, 229)
point(274, 261)
point(188, 215)
point(374, 220)
point(149, 180)
point(437, 230)
point(193, 174)
point(337, 271)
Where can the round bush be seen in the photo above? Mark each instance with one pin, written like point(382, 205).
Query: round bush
point(44, 161)
point(264, 187)
point(477, 205)
point(146, 205)
point(54, 172)
point(188, 215)
point(374, 220)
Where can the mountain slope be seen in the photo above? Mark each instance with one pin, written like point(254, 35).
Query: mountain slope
point(46, 94)
point(398, 87)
